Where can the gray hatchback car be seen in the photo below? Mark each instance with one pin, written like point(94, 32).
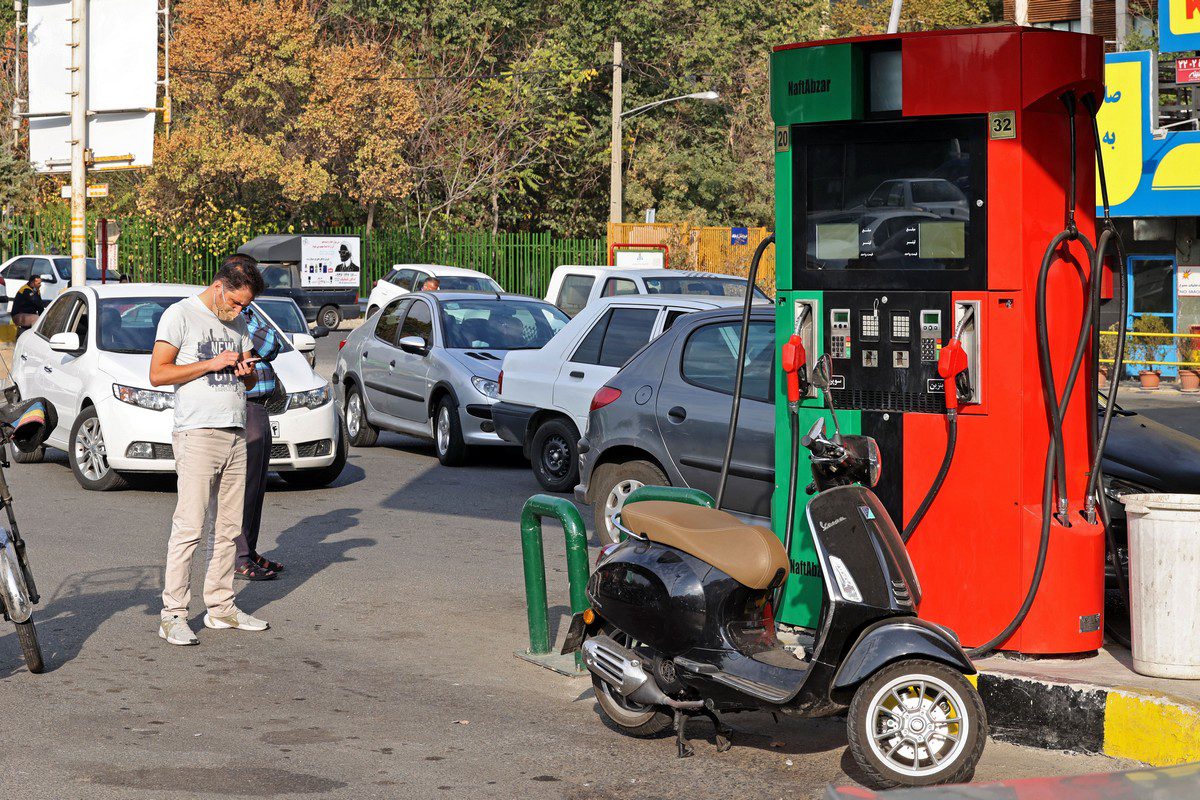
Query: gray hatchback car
point(428, 364)
point(663, 419)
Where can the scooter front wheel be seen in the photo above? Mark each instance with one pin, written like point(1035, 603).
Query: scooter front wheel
point(27, 636)
point(916, 723)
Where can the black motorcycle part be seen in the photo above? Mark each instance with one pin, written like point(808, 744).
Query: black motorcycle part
point(897, 639)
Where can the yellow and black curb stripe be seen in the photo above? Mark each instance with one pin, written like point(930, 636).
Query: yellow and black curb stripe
point(1142, 726)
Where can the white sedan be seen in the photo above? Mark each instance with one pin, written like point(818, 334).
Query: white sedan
point(89, 355)
point(405, 278)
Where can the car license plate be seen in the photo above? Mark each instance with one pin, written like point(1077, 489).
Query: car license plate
point(274, 429)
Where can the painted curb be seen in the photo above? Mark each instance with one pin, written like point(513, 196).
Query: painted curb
point(1154, 729)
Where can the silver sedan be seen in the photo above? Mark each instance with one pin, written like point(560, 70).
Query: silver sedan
point(429, 364)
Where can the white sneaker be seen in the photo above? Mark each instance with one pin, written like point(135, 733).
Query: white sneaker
point(176, 631)
point(238, 619)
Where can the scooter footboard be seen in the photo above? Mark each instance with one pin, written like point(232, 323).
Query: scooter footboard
point(898, 639)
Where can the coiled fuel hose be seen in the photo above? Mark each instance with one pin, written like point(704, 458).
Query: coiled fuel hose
point(1055, 469)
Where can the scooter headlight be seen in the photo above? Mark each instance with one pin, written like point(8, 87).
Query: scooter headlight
point(874, 463)
point(845, 581)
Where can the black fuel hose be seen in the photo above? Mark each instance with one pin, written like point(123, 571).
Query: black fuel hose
point(1094, 488)
point(793, 482)
point(936, 486)
point(741, 365)
point(1055, 406)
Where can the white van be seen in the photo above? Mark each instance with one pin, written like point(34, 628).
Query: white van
point(572, 287)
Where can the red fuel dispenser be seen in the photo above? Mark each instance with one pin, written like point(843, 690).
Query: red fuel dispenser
point(935, 215)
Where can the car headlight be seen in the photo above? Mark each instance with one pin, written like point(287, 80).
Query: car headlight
point(144, 398)
point(313, 398)
point(486, 387)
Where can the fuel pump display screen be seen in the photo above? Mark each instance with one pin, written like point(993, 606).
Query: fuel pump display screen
point(900, 197)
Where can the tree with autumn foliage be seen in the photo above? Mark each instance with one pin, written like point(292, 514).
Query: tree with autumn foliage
point(278, 121)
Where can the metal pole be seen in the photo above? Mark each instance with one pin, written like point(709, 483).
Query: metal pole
point(103, 251)
point(1086, 16)
point(1021, 12)
point(16, 106)
point(1122, 23)
point(615, 200)
point(535, 577)
point(894, 19)
point(78, 142)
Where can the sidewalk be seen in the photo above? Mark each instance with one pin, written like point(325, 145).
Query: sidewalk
point(1095, 704)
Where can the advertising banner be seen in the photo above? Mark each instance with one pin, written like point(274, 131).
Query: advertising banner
point(1151, 173)
point(1178, 25)
point(330, 261)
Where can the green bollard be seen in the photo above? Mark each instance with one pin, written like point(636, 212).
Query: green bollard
point(675, 494)
point(535, 509)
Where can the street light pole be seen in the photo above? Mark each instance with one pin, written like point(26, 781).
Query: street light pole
point(615, 199)
point(78, 142)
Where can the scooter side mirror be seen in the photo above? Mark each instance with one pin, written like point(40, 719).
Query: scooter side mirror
point(821, 372)
point(817, 431)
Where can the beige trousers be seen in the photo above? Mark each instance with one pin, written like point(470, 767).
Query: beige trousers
point(211, 465)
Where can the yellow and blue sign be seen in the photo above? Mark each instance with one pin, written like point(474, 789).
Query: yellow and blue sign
point(1178, 25)
point(1147, 176)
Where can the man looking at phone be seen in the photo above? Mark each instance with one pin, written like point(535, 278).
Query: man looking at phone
point(203, 349)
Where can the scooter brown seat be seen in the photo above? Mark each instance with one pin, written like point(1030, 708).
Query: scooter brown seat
point(751, 555)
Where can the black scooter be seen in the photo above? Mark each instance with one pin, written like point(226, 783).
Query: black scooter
point(681, 624)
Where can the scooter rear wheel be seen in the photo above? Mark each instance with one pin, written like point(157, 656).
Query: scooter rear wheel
point(632, 719)
point(916, 723)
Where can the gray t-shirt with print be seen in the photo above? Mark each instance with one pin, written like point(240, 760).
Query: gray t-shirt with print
point(218, 399)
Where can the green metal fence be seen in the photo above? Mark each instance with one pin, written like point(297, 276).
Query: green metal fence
point(520, 262)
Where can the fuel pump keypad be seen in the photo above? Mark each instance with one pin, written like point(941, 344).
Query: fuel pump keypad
point(886, 350)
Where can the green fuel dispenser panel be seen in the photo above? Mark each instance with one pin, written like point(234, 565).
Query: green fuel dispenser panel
point(813, 84)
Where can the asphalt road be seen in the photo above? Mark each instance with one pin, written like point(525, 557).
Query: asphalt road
point(388, 671)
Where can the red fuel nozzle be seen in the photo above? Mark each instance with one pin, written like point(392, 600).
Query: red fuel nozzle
point(794, 359)
point(951, 362)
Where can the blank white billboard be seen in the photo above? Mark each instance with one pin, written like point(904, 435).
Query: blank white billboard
point(122, 76)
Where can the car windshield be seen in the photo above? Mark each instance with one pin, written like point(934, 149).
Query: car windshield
point(500, 324)
point(63, 267)
point(285, 313)
point(467, 283)
point(129, 324)
point(699, 284)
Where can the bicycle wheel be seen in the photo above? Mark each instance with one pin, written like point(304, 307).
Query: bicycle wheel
point(27, 636)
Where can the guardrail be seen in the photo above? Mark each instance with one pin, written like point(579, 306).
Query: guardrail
point(1153, 362)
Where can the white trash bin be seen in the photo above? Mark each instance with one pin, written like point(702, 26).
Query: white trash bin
point(1164, 583)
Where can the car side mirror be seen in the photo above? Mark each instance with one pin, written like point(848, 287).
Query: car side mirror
point(65, 342)
point(303, 342)
point(320, 332)
point(414, 344)
point(821, 372)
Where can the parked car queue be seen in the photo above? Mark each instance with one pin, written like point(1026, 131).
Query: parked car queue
point(657, 383)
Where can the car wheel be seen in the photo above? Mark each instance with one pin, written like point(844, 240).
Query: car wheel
point(447, 433)
point(322, 476)
point(611, 484)
point(88, 456)
point(330, 317)
point(360, 431)
point(35, 456)
point(554, 454)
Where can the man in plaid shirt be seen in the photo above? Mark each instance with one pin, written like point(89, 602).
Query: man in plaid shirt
point(266, 342)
